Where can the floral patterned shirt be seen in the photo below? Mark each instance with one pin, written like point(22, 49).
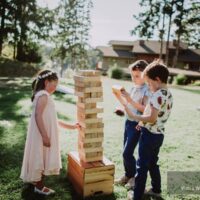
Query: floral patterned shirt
point(162, 101)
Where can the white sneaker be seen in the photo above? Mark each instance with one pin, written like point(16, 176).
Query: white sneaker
point(130, 184)
point(44, 191)
point(152, 193)
point(130, 195)
point(122, 181)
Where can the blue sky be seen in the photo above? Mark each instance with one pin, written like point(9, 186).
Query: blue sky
point(111, 19)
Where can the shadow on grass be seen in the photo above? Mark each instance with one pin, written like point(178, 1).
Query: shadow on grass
point(64, 97)
point(12, 142)
point(151, 197)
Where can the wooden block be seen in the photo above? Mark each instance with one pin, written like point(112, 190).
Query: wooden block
point(88, 95)
point(117, 89)
point(85, 117)
point(90, 157)
point(89, 111)
point(85, 139)
point(88, 122)
point(89, 73)
point(89, 145)
point(93, 89)
point(86, 79)
point(89, 100)
point(88, 89)
point(92, 130)
point(87, 84)
point(86, 106)
point(91, 135)
point(92, 178)
point(93, 100)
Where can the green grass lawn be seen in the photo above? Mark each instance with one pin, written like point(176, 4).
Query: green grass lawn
point(180, 151)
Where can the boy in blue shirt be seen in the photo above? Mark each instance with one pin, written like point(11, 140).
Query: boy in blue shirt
point(152, 124)
point(136, 102)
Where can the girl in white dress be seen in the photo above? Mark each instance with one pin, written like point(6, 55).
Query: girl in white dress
point(42, 152)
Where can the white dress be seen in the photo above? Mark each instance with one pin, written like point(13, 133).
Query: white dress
point(39, 159)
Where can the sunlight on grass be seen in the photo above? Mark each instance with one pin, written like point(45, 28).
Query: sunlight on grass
point(179, 152)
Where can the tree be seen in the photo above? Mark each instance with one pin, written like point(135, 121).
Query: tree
point(33, 24)
point(5, 17)
point(24, 24)
point(169, 10)
point(73, 22)
point(192, 24)
point(182, 14)
point(152, 17)
point(178, 20)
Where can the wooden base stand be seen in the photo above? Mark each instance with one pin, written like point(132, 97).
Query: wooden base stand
point(90, 178)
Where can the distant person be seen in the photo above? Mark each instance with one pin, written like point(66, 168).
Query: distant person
point(152, 124)
point(42, 151)
point(136, 102)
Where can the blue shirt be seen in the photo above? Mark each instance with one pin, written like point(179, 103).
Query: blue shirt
point(137, 94)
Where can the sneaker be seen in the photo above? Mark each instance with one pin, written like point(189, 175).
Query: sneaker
point(152, 193)
point(130, 195)
point(122, 181)
point(130, 184)
point(45, 191)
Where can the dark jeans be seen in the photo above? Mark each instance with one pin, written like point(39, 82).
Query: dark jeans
point(149, 146)
point(131, 138)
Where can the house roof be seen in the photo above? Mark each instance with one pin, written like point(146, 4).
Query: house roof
point(110, 52)
point(120, 42)
point(148, 47)
point(153, 47)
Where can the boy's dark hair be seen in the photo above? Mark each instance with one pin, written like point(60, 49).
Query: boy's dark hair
point(156, 69)
point(138, 65)
point(39, 82)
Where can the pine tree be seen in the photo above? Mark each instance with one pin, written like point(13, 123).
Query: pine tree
point(73, 21)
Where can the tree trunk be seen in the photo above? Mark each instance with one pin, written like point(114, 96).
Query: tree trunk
point(2, 32)
point(177, 52)
point(178, 37)
point(161, 37)
point(15, 38)
point(20, 46)
point(167, 44)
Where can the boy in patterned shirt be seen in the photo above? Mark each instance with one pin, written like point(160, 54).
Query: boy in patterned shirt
point(152, 123)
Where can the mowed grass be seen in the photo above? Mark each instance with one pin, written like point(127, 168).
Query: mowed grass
point(180, 151)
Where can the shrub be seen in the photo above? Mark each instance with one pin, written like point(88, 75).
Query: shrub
point(196, 83)
point(115, 72)
point(180, 79)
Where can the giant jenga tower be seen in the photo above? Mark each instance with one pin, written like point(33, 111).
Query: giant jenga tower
point(88, 170)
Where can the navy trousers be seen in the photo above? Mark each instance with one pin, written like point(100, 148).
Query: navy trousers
point(131, 138)
point(149, 146)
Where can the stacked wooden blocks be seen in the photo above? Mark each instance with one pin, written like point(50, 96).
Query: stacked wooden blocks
point(88, 170)
point(88, 88)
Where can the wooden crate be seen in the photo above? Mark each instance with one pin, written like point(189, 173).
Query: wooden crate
point(90, 179)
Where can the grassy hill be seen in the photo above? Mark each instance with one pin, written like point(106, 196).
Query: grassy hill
point(14, 68)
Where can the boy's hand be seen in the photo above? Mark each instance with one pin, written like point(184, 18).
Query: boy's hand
point(138, 127)
point(119, 112)
point(126, 95)
point(46, 141)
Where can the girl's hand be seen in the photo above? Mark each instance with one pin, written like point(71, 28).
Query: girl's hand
point(46, 142)
point(126, 95)
point(77, 126)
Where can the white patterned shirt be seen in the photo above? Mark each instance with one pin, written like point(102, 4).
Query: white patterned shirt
point(162, 101)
